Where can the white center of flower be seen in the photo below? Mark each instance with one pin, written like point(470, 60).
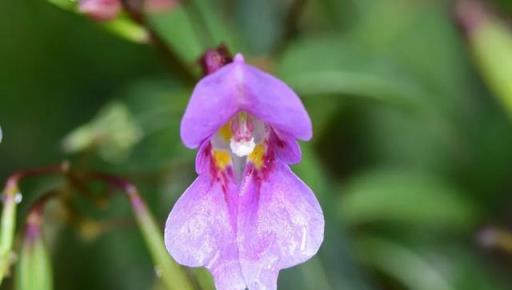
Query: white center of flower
point(242, 147)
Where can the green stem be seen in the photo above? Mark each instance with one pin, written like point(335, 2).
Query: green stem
point(34, 270)
point(175, 63)
point(11, 199)
point(170, 273)
point(8, 228)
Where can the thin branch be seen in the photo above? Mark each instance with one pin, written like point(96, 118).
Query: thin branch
point(135, 10)
point(291, 28)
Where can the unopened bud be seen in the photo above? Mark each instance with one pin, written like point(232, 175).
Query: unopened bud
point(100, 10)
point(213, 59)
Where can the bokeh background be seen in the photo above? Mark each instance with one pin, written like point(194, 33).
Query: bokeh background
point(411, 156)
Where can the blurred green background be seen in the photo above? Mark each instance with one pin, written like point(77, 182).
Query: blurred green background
point(411, 103)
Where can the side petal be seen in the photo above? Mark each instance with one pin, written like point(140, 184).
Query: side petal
point(280, 224)
point(201, 231)
point(286, 147)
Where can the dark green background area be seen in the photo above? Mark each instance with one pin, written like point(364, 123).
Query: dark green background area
point(411, 157)
point(57, 70)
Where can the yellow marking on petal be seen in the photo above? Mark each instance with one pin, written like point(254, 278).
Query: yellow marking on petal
point(222, 158)
point(256, 156)
point(225, 131)
point(242, 116)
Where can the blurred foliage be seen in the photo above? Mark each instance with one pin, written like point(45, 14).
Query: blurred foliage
point(112, 131)
point(411, 156)
point(387, 196)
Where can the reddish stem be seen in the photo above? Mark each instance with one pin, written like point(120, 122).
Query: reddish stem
point(35, 216)
point(13, 180)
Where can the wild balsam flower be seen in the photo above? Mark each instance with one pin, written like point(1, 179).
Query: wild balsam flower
point(247, 215)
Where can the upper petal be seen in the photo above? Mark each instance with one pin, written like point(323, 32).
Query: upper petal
point(280, 224)
point(273, 102)
point(210, 106)
point(241, 87)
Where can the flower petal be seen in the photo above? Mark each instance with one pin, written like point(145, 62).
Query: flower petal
point(241, 87)
point(200, 231)
point(286, 147)
point(280, 224)
point(203, 157)
point(210, 106)
point(272, 101)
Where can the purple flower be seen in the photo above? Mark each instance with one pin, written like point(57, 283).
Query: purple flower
point(247, 215)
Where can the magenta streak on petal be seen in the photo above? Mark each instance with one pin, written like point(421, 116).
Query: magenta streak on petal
point(280, 225)
point(286, 147)
point(253, 227)
point(203, 157)
point(245, 233)
point(201, 229)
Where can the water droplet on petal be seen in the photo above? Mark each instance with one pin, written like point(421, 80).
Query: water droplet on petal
point(304, 239)
point(18, 197)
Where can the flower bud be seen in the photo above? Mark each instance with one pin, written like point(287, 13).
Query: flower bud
point(100, 10)
point(34, 269)
point(215, 58)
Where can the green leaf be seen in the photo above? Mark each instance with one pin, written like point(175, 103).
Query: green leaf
point(403, 264)
point(127, 29)
point(70, 5)
point(351, 83)
point(421, 264)
point(179, 32)
point(215, 23)
point(331, 65)
point(406, 198)
point(260, 24)
point(492, 48)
